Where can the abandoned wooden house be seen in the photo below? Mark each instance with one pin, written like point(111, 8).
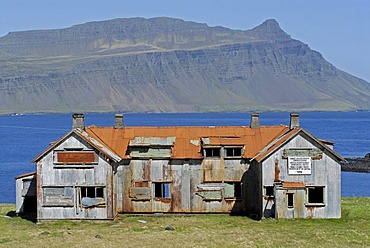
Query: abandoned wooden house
point(261, 171)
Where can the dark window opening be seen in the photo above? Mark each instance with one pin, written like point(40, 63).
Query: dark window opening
point(269, 190)
point(233, 152)
point(92, 192)
point(237, 190)
point(290, 200)
point(162, 190)
point(316, 195)
point(212, 152)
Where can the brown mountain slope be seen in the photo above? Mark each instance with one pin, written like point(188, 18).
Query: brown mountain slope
point(165, 64)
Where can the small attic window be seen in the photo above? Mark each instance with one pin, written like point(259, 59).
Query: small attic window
point(212, 152)
point(233, 151)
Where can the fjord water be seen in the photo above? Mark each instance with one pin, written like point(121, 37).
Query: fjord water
point(23, 137)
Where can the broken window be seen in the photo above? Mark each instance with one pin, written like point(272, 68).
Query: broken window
point(212, 152)
point(269, 190)
point(315, 195)
point(290, 197)
point(92, 192)
point(162, 190)
point(233, 151)
point(90, 196)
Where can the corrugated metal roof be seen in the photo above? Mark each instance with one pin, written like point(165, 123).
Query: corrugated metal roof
point(189, 139)
point(187, 142)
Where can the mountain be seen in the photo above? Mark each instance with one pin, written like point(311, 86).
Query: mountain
point(169, 65)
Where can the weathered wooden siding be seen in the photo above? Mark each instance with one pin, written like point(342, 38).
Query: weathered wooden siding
point(25, 190)
point(196, 186)
point(60, 184)
point(325, 172)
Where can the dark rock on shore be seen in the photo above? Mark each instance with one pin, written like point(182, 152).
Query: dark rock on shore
point(357, 164)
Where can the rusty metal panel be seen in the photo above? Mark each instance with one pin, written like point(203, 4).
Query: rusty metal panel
point(314, 153)
point(234, 169)
point(75, 157)
point(150, 152)
point(160, 170)
point(125, 181)
point(152, 141)
point(161, 205)
point(213, 170)
point(185, 192)
point(140, 193)
point(141, 206)
point(178, 181)
point(140, 170)
point(141, 184)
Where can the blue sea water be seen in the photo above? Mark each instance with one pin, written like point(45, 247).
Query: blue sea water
point(23, 137)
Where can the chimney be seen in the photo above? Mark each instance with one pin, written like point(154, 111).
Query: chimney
point(294, 120)
point(118, 121)
point(255, 123)
point(78, 121)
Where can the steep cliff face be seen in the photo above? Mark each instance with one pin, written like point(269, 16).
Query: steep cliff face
point(165, 64)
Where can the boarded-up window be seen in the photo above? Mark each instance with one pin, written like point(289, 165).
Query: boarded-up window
point(58, 196)
point(210, 191)
point(76, 157)
point(140, 193)
point(233, 190)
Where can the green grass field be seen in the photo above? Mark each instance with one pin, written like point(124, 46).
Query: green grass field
point(352, 230)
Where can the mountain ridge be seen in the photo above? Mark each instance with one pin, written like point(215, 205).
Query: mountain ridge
point(169, 65)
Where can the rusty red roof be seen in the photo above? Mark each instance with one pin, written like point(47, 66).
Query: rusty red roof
point(188, 140)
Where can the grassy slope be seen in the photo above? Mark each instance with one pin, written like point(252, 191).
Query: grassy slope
point(353, 230)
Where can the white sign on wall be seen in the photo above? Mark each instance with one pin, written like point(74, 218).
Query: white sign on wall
point(299, 165)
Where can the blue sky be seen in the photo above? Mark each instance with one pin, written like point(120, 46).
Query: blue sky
point(338, 29)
